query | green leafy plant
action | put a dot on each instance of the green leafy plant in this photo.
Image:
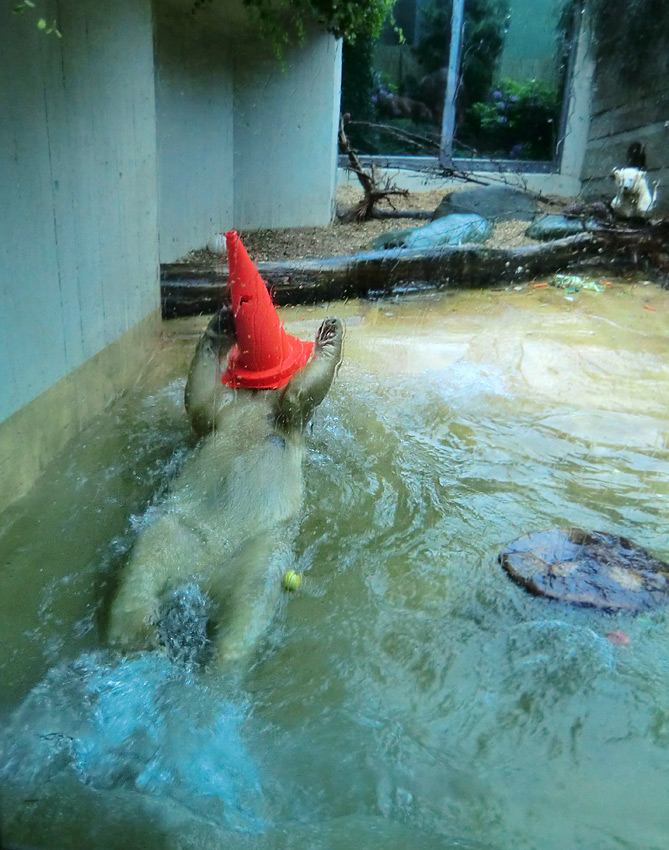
(41, 23)
(285, 21)
(518, 120)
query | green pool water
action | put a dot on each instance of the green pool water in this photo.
(409, 695)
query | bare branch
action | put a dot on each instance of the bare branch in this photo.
(374, 193)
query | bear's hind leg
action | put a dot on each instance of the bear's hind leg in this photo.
(246, 596)
(166, 556)
(134, 613)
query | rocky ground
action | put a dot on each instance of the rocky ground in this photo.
(338, 239)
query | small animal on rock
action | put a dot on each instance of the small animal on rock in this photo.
(204, 579)
(633, 198)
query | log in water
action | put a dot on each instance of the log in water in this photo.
(189, 290)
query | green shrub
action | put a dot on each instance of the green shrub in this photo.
(518, 120)
(285, 21)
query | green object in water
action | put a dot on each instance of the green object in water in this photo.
(573, 283)
(291, 580)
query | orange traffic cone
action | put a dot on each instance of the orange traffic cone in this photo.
(265, 356)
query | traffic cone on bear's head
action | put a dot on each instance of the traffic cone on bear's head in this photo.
(265, 356)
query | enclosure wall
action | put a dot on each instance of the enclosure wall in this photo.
(629, 107)
(194, 105)
(246, 142)
(285, 134)
(78, 204)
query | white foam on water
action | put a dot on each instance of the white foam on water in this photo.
(136, 723)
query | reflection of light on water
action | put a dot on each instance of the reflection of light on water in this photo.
(611, 428)
(414, 356)
(465, 378)
(139, 724)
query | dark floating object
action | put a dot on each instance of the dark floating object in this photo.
(588, 568)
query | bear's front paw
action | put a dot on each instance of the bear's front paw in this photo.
(329, 333)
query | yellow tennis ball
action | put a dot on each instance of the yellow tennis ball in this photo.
(292, 580)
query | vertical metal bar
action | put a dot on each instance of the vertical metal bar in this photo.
(448, 119)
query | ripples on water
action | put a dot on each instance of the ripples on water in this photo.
(409, 695)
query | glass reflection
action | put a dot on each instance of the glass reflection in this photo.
(513, 70)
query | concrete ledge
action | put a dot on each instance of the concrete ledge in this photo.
(34, 435)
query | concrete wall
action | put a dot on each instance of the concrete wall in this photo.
(285, 135)
(78, 201)
(194, 105)
(627, 109)
(78, 204)
(242, 141)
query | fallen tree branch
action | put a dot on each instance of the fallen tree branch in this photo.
(423, 215)
(404, 135)
(188, 290)
(374, 193)
(420, 214)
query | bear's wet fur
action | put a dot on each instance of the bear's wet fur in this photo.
(203, 580)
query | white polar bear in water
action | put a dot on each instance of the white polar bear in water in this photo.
(219, 548)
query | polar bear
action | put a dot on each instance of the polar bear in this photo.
(633, 198)
(205, 577)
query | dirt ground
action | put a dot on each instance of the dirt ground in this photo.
(338, 239)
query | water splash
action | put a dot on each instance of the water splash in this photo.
(141, 724)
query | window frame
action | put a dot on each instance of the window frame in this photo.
(445, 162)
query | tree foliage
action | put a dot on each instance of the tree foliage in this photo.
(41, 23)
(285, 21)
(358, 84)
(485, 26)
